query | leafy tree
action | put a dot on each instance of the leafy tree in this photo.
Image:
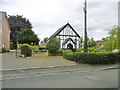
(45, 39)
(27, 36)
(91, 42)
(111, 42)
(119, 39)
(17, 23)
(53, 45)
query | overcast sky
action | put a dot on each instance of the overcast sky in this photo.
(47, 16)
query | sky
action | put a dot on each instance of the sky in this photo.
(47, 16)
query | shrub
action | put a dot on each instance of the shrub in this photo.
(4, 50)
(92, 58)
(35, 48)
(26, 50)
(53, 45)
(60, 50)
(67, 53)
(93, 49)
(80, 50)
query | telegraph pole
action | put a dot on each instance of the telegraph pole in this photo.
(85, 27)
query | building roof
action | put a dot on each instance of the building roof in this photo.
(62, 28)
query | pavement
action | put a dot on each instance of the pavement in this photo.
(42, 61)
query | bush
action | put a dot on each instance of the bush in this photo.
(26, 50)
(4, 50)
(93, 49)
(80, 50)
(92, 58)
(35, 48)
(53, 45)
(67, 53)
(60, 51)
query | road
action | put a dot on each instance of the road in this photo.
(93, 78)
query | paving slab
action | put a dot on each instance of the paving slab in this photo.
(10, 62)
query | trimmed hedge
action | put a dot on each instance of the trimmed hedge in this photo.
(26, 50)
(67, 54)
(92, 58)
(80, 50)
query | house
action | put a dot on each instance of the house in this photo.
(4, 31)
(69, 38)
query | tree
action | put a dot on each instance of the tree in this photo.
(111, 42)
(27, 36)
(45, 40)
(53, 45)
(17, 23)
(91, 42)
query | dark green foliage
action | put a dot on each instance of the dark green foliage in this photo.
(17, 23)
(58, 53)
(4, 50)
(80, 50)
(11, 46)
(26, 50)
(67, 53)
(53, 45)
(92, 58)
(45, 40)
(28, 36)
(91, 42)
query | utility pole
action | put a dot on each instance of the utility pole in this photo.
(85, 27)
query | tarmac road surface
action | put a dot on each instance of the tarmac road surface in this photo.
(66, 79)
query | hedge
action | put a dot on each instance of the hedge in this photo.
(67, 53)
(92, 58)
(26, 50)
